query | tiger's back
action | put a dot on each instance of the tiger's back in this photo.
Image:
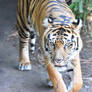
(35, 11)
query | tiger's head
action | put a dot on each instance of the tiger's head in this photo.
(62, 42)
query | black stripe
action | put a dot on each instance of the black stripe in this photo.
(24, 35)
(32, 2)
(22, 8)
(42, 8)
(59, 1)
(69, 70)
(32, 11)
(76, 23)
(23, 23)
(27, 8)
(65, 35)
(52, 5)
(54, 8)
(69, 2)
(32, 45)
(34, 6)
(22, 42)
(77, 43)
(21, 35)
(32, 36)
(68, 31)
(47, 4)
(72, 37)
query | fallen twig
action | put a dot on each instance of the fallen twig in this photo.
(88, 78)
(14, 34)
(86, 60)
(89, 41)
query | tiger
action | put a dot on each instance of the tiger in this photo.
(60, 40)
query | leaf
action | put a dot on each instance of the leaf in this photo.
(76, 6)
(72, 6)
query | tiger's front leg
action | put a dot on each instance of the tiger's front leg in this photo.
(77, 81)
(24, 62)
(55, 77)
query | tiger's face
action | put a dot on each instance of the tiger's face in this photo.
(62, 44)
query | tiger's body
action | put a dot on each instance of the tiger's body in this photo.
(59, 35)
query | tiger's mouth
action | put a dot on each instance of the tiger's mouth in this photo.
(60, 65)
(63, 68)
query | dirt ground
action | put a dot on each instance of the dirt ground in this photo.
(12, 80)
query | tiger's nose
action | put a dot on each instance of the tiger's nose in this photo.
(58, 60)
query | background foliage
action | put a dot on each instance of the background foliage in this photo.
(81, 8)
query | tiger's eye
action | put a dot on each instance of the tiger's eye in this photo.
(50, 19)
(70, 45)
(68, 31)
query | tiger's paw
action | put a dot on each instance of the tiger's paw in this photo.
(49, 83)
(25, 66)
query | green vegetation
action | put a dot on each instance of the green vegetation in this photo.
(81, 8)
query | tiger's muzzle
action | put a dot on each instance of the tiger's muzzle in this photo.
(59, 62)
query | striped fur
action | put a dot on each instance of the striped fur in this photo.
(59, 35)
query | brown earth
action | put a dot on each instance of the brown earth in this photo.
(12, 80)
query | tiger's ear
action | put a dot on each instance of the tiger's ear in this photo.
(77, 24)
(48, 21)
